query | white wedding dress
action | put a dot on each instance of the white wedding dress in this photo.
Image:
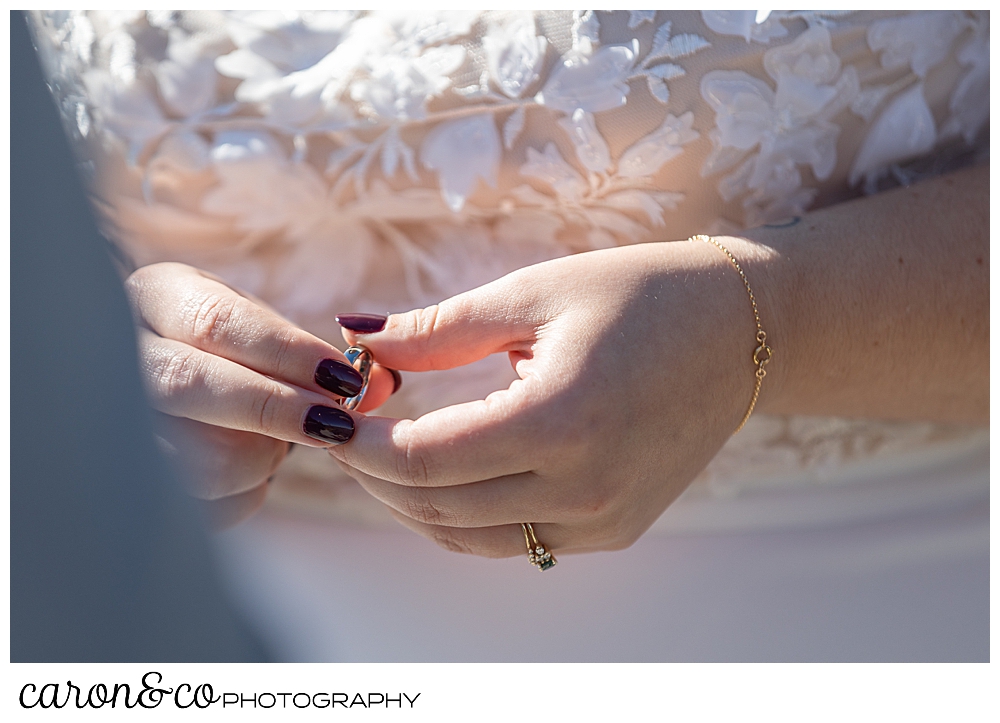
(342, 161)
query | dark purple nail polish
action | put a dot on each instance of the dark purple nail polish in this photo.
(397, 380)
(362, 323)
(328, 424)
(338, 377)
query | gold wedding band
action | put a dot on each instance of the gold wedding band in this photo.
(538, 555)
(362, 360)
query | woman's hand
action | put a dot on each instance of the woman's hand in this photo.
(635, 364)
(635, 367)
(238, 384)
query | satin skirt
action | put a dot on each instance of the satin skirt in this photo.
(909, 583)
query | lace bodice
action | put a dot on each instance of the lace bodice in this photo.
(336, 160)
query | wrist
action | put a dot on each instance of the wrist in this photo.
(771, 279)
(709, 311)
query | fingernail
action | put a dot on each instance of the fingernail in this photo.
(362, 323)
(328, 424)
(397, 380)
(338, 377)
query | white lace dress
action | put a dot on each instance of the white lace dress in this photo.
(343, 161)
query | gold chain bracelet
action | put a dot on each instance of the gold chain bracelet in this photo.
(762, 354)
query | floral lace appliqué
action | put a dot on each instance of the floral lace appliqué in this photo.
(905, 128)
(766, 133)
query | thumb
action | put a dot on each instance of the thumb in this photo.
(458, 331)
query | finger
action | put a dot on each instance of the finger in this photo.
(463, 329)
(179, 302)
(218, 462)
(186, 382)
(496, 542)
(382, 384)
(230, 511)
(464, 443)
(498, 501)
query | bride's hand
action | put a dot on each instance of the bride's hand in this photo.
(237, 384)
(635, 367)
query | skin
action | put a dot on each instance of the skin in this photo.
(233, 381)
(634, 365)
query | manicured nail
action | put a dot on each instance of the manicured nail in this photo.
(328, 424)
(362, 323)
(338, 377)
(397, 380)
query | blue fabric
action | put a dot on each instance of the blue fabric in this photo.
(109, 561)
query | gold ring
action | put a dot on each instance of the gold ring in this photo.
(538, 554)
(362, 360)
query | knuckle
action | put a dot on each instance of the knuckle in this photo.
(210, 317)
(174, 375)
(424, 324)
(265, 409)
(285, 339)
(419, 506)
(591, 502)
(411, 464)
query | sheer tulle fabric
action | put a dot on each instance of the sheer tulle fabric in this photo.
(333, 161)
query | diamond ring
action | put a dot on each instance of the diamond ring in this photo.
(538, 554)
